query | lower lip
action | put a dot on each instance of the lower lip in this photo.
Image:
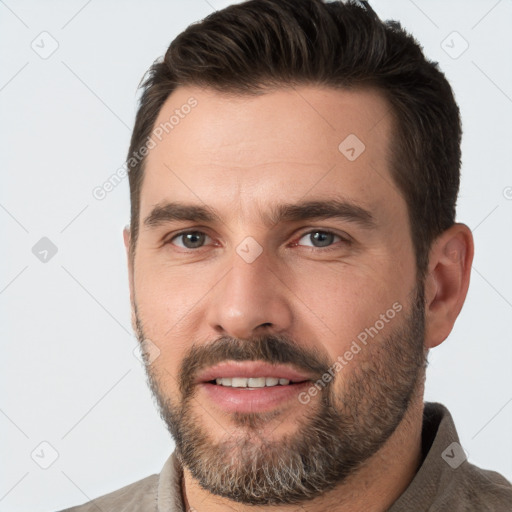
(253, 399)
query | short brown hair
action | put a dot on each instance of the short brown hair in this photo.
(258, 45)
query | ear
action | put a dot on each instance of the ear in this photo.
(447, 282)
(127, 239)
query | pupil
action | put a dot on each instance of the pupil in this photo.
(322, 239)
(193, 240)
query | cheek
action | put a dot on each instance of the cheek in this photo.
(165, 303)
(166, 296)
(344, 303)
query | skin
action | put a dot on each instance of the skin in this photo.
(241, 156)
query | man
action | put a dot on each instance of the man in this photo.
(293, 256)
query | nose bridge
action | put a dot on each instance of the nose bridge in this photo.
(250, 297)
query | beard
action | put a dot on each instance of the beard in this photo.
(342, 429)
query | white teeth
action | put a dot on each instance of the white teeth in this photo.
(251, 382)
(239, 382)
(256, 382)
(224, 381)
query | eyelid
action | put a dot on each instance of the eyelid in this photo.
(345, 238)
(169, 240)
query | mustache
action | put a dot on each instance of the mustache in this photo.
(273, 349)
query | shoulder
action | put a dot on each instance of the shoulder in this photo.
(479, 489)
(446, 480)
(465, 486)
(140, 495)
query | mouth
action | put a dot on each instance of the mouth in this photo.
(254, 382)
(252, 386)
(253, 374)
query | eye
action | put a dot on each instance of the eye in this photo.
(319, 238)
(189, 239)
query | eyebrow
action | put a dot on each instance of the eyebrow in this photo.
(289, 212)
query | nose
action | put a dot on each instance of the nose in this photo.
(251, 299)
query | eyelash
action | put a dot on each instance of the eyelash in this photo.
(344, 240)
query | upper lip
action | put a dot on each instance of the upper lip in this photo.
(251, 369)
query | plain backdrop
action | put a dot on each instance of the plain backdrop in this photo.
(69, 72)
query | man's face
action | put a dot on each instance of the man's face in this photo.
(274, 276)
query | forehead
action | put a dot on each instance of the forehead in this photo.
(281, 145)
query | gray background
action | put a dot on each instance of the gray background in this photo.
(68, 372)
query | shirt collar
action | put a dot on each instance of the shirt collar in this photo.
(442, 455)
(169, 497)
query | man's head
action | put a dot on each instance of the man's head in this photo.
(294, 209)
(256, 46)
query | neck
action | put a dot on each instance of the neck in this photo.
(375, 486)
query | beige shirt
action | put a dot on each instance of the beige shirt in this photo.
(445, 481)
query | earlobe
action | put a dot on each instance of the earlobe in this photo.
(127, 242)
(126, 238)
(447, 282)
